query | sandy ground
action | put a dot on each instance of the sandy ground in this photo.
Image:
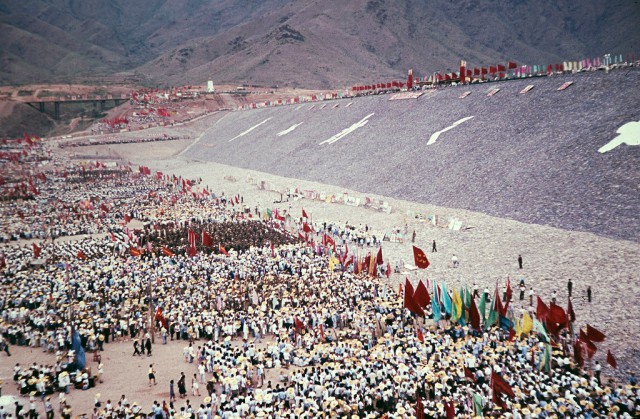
(488, 254)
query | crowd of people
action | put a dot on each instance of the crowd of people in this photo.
(273, 326)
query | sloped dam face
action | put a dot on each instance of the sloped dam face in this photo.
(565, 158)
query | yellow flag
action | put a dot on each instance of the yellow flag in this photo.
(518, 328)
(457, 301)
(527, 323)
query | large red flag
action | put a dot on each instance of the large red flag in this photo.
(474, 315)
(577, 353)
(590, 347)
(409, 303)
(379, 260)
(499, 385)
(594, 334)
(611, 360)
(207, 241)
(36, 250)
(421, 296)
(542, 311)
(419, 258)
(557, 314)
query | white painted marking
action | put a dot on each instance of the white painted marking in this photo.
(349, 104)
(629, 135)
(312, 106)
(323, 106)
(361, 123)
(288, 130)
(242, 134)
(299, 107)
(435, 135)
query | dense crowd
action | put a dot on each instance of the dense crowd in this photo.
(340, 343)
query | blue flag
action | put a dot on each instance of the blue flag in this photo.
(446, 299)
(435, 304)
(77, 347)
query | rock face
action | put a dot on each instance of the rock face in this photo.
(530, 157)
(302, 43)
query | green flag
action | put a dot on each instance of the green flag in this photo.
(492, 318)
(477, 405)
(539, 328)
(482, 307)
(545, 364)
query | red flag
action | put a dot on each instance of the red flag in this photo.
(104, 207)
(469, 374)
(166, 251)
(191, 251)
(237, 200)
(420, 259)
(577, 353)
(304, 214)
(222, 250)
(36, 251)
(161, 318)
(557, 314)
(321, 328)
(450, 409)
(206, 239)
(590, 347)
(474, 315)
(306, 228)
(409, 303)
(421, 295)
(420, 336)
(349, 261)
(135, 252)
(278, 216)
(542, 311)
(191, 238)
(419, 409)
(113, 237)
(594, 334)
(273, 251)
(499, 385)
(299, 324)
(379, 260)
(81, 255)
(611, 360)
(127, 218)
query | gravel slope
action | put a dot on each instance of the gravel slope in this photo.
(532, 158)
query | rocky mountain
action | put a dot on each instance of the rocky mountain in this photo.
(307, 43)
